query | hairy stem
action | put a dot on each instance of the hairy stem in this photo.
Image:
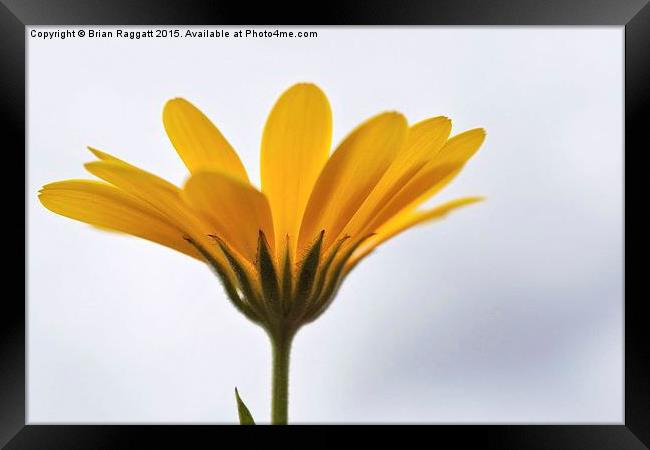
(281, 342)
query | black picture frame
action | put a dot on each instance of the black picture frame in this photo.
(15, 15)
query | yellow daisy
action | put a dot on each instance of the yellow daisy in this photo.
(281, 251)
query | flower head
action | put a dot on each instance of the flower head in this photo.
(282, 251)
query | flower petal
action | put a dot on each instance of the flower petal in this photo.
(460, 148)
(198, 142)
(457, 151)
(350, 175)
(437, 173)
(295, 146)
(406, 220)
(105, 156)
(410, 192)
(236, 209)
(107, 207)
(160, 195)
(423, 142)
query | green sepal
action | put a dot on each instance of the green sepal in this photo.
(228, 285)
(245, 417)
(319, 305)
(287, 276)
(323, 272)
(307, 274)
(242, 274)
(268, 274)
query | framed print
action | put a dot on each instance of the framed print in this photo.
(384, 215)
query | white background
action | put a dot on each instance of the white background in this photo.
(507, 311)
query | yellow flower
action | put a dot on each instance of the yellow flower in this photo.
(282, 251)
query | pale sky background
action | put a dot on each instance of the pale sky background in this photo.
(510, 311)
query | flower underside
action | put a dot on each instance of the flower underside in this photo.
(281, 297)
(282, 251)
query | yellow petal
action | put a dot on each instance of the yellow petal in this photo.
(409, 192)
(198, 142)
(350, 175)
(105, 156)
(236, 209)
(423, 142)
(457, 151)
(437, 173)
(105, 206)
(295, 146)
(461, 147)
(160, 195)
(406, 220)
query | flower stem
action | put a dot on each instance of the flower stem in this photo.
(281, 343)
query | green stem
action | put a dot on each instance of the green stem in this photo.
(281, 343)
